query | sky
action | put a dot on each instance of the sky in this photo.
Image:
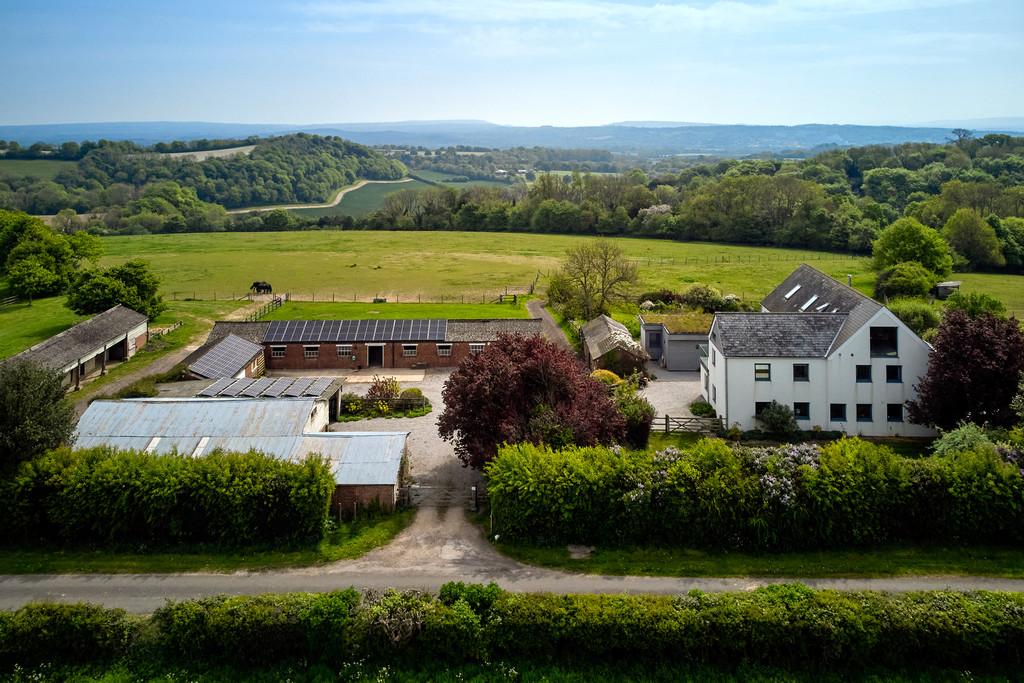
(515, 62)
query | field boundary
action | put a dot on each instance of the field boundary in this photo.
(341, 192)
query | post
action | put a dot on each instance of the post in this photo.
(666, 424)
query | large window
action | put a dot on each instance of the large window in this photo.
(344, 349)
(759, 407)
(408, 350)
(444, 350)
(802, 411)
(894, 374)
(864, 412)
(863, 373)
(801, 372)
(837, 412)
(894, 412)
(278, 351)
(763, 372)
(476, 348)
(311, 351)
(883, 342)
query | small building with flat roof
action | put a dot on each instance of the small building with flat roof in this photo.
(673, 340)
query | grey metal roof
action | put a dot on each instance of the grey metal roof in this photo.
(331, 331)
(274, 427)
(808, 290)
(84, 339)
(272, 387)
(226, 358)
(777, 335)
(488, 330)
(602, 334)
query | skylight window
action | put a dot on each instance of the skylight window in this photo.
(792, 292)
(809, 302)
(822, 307)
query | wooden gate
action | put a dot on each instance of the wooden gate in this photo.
(701, 425)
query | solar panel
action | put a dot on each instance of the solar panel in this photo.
(226, 358)
(256, 388)
(298, 387)
(334, 331)
(278, 387)
(319, 386)
(235, 387)
(216, 387)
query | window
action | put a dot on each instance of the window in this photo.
(654, 340)
(713, 356)
(444, 350)
(801, 372)
(809, 302)
(894, 374)
(802, 411)
(762, 372)
(476, 348)
(894, 412)
(278, 351)
(759, 407)
(408, 350)
(883, 342)
(344, 349)
(792, 292)
(863, 373)
(864, 412)
(714, 393)
(837, 412)
(707, 376)
(311, 351)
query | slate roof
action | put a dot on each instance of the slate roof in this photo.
(603, 334)
(488, 330)
(808, 290)
(84, 339)
(226, 358)
(777, 335)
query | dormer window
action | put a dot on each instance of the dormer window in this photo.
(884, 342)
(792, 292)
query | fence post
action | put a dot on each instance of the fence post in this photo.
(666, 424)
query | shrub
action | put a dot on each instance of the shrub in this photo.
(351, 403)
(606, 377)
(638, 413)
(47, 632)
(778, 419)
(411, 393)
(702, 297)
(702, 408)
(908, 278)
(105, 497)
(383, 389)
(975, 304)
(846, 493)
(917, 314)
(966, 437)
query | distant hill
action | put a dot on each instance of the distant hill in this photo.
(645, 137)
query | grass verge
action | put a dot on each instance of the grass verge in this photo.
(862, 563)
(349, 541)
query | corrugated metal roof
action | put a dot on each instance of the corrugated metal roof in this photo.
(271, 426)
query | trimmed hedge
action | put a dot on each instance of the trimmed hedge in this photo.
(105, 497)
(782, 625)
(845, 493)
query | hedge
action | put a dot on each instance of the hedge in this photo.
(846, 493)
(782, 625)
(105, 497)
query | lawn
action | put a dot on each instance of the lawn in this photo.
(870, 562)
(364, 264)
(22, 325)
(295, 310)
(363, 201)
(348, 541)
(36, 168)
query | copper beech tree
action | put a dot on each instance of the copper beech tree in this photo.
(524, 389)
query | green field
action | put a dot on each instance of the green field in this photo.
(36, 168)
(295, 310)
(407, 265)
(363, 201)
(445, 179)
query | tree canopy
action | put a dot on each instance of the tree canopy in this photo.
(35, 414)
(908, 240)
(524, 389)
(131, 284)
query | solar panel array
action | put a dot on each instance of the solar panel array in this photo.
(333, 331)
(267, 387)
(227, 358)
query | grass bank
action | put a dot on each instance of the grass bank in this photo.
(22, 326)
(347, 542)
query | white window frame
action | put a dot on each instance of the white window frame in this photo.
(444, 350)
(278, 351)
(477, 348)
(310, 352)
(345, 350)
(408, 350)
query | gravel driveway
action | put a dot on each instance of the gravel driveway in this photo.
(672, 392)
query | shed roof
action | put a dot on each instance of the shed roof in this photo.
(690, 322)
(84, 339)
(488, 330)
(603, 334)
(777, 335)
(226, 358)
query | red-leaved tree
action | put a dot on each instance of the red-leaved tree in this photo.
(524, 389)
(972, 373)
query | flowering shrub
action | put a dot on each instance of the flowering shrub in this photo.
(844, 493)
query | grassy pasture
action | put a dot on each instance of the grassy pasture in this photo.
(22, 325)
(363, 201)
(445, 179)
(404, 265)
(295, 310)
(36, 168)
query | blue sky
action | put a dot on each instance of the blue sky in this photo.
(524, 62)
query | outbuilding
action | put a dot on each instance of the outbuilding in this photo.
(673, 340)
(608, 344)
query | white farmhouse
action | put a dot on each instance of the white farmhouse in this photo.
(839, 359)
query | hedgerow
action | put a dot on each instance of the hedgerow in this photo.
(105, 497)
(845, 493)
(782, 625)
